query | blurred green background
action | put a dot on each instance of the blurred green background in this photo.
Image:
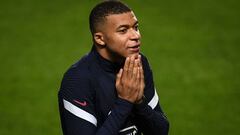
(192, 46)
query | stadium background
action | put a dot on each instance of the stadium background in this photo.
(192, 45)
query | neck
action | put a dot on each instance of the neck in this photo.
(109, 55)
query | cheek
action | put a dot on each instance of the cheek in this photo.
(121, 41)
(117, 43)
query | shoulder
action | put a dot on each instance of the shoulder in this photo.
(146, 65)
(80, 69)
(78, 77)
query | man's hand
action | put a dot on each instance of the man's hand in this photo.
(130, 80)
(142, 83)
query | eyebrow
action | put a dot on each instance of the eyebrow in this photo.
(124, 25)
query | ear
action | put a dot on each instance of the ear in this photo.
(98, 38)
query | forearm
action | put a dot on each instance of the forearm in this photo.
(116, 118)
(76, 121)
(153, 121)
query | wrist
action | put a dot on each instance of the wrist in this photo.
(141, 100)
(125, 100)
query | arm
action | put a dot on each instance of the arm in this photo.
(151, 119)
(77, 108)
(150, 116)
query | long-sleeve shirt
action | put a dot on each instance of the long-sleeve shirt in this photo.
(89, 104)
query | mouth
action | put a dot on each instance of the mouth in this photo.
(135, 48)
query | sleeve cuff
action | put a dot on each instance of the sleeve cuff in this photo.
(124, 104)
(142, 106)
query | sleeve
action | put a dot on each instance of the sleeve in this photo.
(77, 108)
(149, 114)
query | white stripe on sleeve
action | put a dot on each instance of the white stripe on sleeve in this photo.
(79, 112)
(154, 101)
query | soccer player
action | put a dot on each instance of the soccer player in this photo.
(110, 91)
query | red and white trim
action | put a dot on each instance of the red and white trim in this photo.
(79, 112)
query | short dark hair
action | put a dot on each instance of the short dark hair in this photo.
(103, 9)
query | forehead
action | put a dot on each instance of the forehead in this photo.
(116, 20)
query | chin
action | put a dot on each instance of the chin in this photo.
(133, 54)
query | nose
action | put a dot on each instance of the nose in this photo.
(135, 35)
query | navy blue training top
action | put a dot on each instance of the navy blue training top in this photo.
(89, 104)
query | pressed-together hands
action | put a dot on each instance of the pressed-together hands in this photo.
(130, 80)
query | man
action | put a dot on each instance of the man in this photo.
(110, 91)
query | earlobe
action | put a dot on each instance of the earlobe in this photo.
(98, 38)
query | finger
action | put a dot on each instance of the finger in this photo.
(140, 60)
(131, 66)
(125, 68)
(138, 76)
(141, 68)
(118, 78)
(142, 83)
(135, 71)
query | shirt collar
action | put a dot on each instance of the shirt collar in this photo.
(106, 64)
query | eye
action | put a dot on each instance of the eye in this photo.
(122, 31)
(136, 27)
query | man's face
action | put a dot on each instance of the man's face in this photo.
(121, 35)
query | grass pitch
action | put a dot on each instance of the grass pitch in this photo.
(192, 46)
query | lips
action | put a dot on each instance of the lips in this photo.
(135, 48)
